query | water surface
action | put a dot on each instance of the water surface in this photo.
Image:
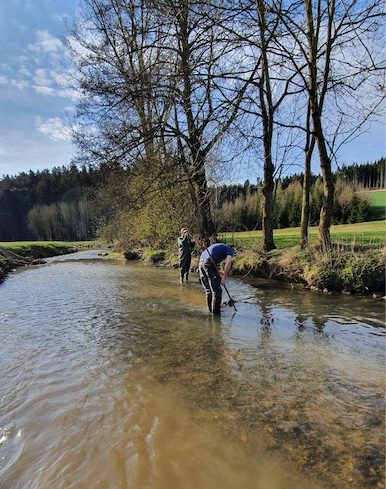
(114, 376)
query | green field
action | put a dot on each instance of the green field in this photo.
(45, 248)
(363, 233)
(27, 244)
(377, 201)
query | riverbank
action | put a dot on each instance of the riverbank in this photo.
(346, 269)
(22, 253)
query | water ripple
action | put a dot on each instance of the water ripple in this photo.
(115, 376)
(11, 447)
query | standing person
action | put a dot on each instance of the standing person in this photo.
(185, 246)
(211, 277)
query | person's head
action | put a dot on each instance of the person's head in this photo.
(184, 231)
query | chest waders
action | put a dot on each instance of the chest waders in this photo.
(185, 255)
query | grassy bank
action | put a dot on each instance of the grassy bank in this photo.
(43, 249)
(364, 233)
(356, 263)
(4, 267)
(34, 250)
(344, 269)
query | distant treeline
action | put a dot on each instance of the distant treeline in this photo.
(244, 213)
(359, 176)
(72, 203)
(49, 204)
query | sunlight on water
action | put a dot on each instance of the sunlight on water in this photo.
(114, 376)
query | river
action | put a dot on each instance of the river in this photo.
(114, 376)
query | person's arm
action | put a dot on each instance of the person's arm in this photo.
(227, 267)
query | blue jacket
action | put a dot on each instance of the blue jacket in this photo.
(218, 252)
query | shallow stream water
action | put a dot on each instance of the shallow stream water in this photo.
(113, 375)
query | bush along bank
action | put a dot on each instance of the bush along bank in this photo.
(344, 269)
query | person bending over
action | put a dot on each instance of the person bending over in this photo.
(211, 278)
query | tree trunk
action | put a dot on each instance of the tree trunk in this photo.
(265, 96)
(328, 182)
(308, 150)
(315, 106)
(267, 190)
(305, 219)
(194, 140)
(204, 216)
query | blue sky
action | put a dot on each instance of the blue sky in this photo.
(36, 103)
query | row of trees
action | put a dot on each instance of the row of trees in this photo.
(364, 176)
(64, 221)
(48, 186)
(35, 205)
(170, 88)
(244, 213)
(71, 203)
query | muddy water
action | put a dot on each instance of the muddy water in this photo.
(113, 376)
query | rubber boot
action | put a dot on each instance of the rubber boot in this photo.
(217, 309)
(209, 302)
(217, 304)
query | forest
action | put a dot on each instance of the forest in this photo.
(174, 96)
(78, 203)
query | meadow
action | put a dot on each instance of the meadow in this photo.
(364, 233)
(377, 201)
(41, 249)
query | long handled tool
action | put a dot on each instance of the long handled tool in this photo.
(231, 301)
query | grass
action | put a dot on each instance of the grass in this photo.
(363, 233)
(377, 201)
(42, 249)
(13, 245)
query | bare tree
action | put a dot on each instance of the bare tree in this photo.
(163, 82)
(259, 27)
(154, 79)
(338, 43)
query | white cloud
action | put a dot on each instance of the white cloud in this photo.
(62, 18)
(61, 78)
(42, 77)
(53, 83)
(23, 147)
(43, 82)
(23, 60)
(44, 90)
(23, 71)
(19, 84)
(46, 43)
(5, 67)
(12, 82)
(55, 128)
